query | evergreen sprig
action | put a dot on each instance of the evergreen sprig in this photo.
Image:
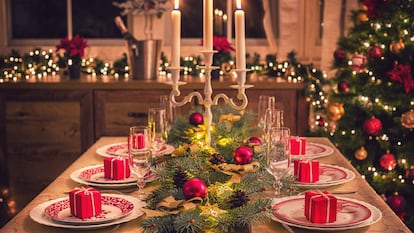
(235, 203)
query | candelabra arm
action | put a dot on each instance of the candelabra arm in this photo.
(188, 98)
(227, 100)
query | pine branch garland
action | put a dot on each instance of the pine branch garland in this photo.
(228, 204)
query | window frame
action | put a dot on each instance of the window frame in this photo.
(97, 42)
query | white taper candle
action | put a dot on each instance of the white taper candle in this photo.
(208, 25)
(240, 37)
(175, 35)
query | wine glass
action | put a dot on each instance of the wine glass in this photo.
(140, 155)
(278, 155)
(157, 125)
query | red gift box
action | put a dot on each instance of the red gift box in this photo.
(116, 168)
(85, 202)
(137, 141)
(320, 207)
(306, 170)
(297, 146)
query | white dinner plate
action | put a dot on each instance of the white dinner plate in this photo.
(329, 175)
(315, 150)
(96, 174)
(351, 214)
(113, 207)
(37, 215)
(121, 149)
(75, 176)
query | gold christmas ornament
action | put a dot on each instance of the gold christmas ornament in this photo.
(362, 17)
(407, 119)
(335, 111)
(361, 153)
(227, 68)
(397, 46)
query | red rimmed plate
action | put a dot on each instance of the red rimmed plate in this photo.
(121, 149)
(329, 175)
(37, 215)
(315, 150)
(349, 213)
(113, 208)
(96, 174)
(75, 176)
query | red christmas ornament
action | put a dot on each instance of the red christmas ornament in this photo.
(196, 118)
(339, 55)
(194, 187)
(343, 86)
(321, 121)
(409, 174)
(372, 126)
(243, 155)
(388, 161)
(396, 202)
(255, 140)
(358, 62)
(374, 52)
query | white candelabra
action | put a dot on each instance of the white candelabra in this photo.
(208, 101)
(208, 53)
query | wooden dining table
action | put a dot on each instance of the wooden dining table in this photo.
(360, 190)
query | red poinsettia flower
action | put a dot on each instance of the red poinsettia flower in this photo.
(402, 74)
(73, 48)
(374, 7)
(221, 44)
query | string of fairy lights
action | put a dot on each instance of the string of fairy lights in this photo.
(38, 64)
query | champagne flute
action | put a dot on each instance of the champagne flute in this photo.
(278, 155)
(166, 104)
(157, 125)
(140, 156)
(273, 118)
(265, 103)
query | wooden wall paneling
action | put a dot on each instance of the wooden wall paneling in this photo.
(45, 131)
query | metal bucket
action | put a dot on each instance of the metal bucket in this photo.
(144, 58)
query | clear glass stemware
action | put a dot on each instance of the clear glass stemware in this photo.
(140, 155)
(278, 159)
(157, 125)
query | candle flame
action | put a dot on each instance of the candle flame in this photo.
(238, 4)
(176, 4)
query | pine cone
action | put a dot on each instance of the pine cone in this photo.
(217, 159)
(237, 199)
(180, 177)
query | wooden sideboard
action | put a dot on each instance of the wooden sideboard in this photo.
(45, 124)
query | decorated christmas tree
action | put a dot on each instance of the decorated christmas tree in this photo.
(369, 109)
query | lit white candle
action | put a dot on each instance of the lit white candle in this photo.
(175, 35)
(240, 37)
(208, 25)
(69, 17)
(229, 20)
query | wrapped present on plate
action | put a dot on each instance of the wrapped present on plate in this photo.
(137, 141)
(116, 168)
(297, 145)
(306, 170)
(320, 207)
(85, 202)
